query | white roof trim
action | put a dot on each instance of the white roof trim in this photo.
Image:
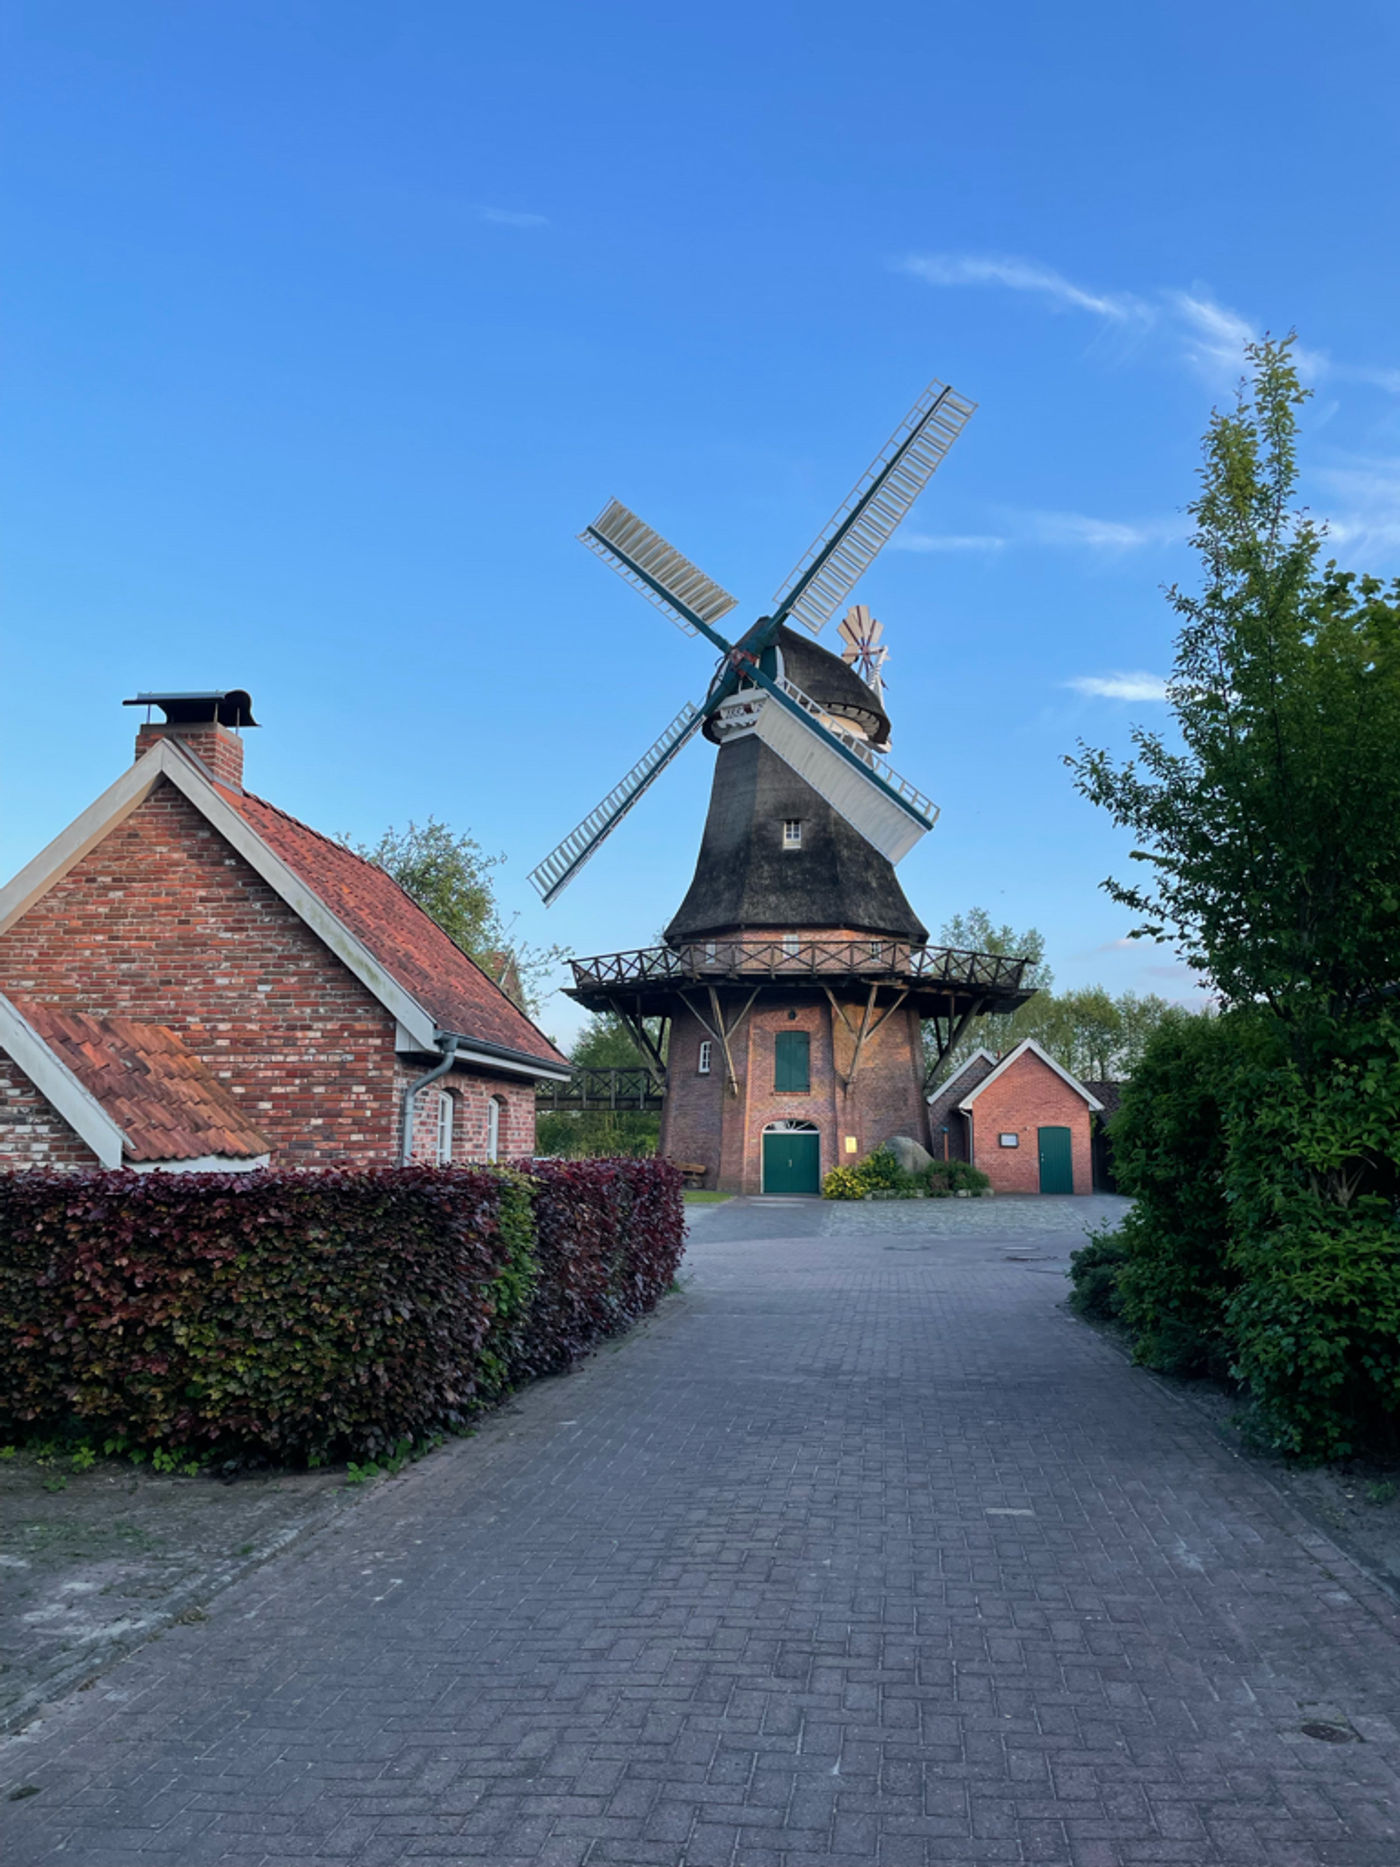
(202, 1163)
(168, 759)
(941, 1089)
(165, 760)
(59, 1087)
(1026, 1045)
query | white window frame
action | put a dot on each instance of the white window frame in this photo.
(792, 833)
(445, 1117)
(493, 1129)
(702, 1063)
(792, 946)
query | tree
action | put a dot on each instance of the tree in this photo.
(974, 932)
(1268, 831)
(605, 1043)
(448, 875)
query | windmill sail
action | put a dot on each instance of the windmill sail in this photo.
(665, 577)
(561, 866)
(879, 500)
(886, 809)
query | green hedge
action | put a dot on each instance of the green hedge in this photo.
(308, 1316)
(1263, 1245)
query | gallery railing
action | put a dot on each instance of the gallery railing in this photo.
(789, 957)
(616, 1090)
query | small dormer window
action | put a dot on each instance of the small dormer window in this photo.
(702, 1066)
(792, 833)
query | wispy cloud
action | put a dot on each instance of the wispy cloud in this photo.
(1019, 275)
(1138, 686)
(1066, 530)
(1366, 512)
(948, 541)
(1078, 528)
(507, 217)
(1211, 336)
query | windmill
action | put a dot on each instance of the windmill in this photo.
(745, 698)
(864, 650)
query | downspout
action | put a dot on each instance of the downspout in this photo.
(410, 1095)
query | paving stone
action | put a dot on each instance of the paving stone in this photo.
(862, 1552)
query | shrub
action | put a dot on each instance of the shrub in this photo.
(295, 1315)
(1093, 1271)
(1169, 1156)
(881, 1172)
(844, 1183)
(946, 1177)
(1315, 1330)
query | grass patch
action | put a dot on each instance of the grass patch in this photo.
(694, 1197)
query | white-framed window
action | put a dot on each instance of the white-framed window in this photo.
(792, 945)
(792, 833)
(877, 949)
(444, 1128)
(493, 1128)
(702, 1067)
(711, 952)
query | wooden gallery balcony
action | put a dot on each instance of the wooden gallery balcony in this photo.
(943, 981)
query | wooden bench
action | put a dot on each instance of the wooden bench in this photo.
(692, 1171)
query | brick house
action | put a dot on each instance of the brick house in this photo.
(1025, 1121)
(189, 977)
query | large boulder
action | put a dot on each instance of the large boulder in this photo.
(911, 1157)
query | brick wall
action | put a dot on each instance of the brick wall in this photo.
(163, 921)
(472, 1093)
(32, 1132)
(703, 1122)
(943, 1111)
(1028, 1097)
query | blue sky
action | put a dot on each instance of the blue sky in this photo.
(329, 325)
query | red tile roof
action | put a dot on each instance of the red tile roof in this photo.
(408, 943)
(162, 1097)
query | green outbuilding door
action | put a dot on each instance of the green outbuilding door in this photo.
(1056, 1160)
(792, 1161)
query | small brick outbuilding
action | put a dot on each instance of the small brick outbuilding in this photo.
(1023, 1119)
(190, 978)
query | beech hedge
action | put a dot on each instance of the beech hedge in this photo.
(306, 1316)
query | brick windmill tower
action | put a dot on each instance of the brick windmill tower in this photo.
(787, 1008)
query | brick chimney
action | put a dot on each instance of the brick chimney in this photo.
(206, 725)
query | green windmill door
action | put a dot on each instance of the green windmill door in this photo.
(792, 1161)
(1056, 1160)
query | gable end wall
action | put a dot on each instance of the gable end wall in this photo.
(163, 921)
(1029, 1096)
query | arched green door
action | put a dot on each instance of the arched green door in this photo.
(1056, 1160)
(792, 1161)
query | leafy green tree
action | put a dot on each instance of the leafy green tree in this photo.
(975, 932)
(1268, 1171)
(1092, 1034)
(605, 1043)
(1267, 824)
(450, 877)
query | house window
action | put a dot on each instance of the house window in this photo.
(710, 952)
(792, 946)
(877, 950)
(792, 1063)
(792, 833)
(493, 1128)
(444, 1133)
(702, 1068)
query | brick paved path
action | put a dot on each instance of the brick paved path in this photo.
(863, 1551)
